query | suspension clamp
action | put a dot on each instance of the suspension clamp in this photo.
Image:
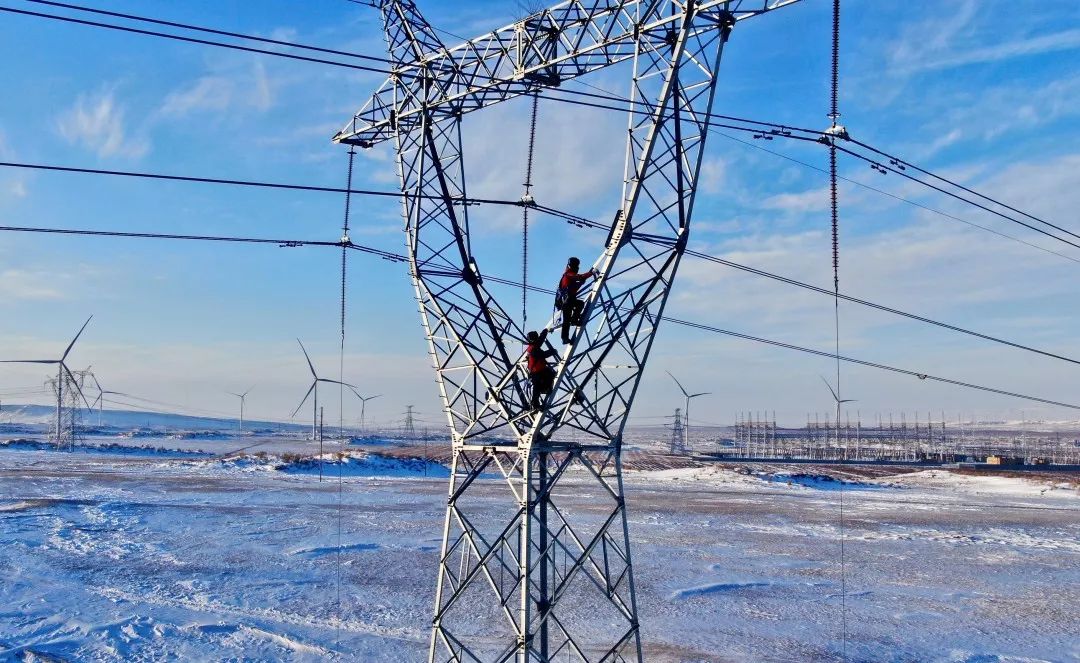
(837, 131)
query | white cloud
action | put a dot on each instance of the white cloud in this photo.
(958, 34)
(713, 177)
(12, 182)
(20, 284)
(96, 122)
(813, 200)
(235, 90)
(1057, 41)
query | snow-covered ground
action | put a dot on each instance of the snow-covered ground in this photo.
(120, 557)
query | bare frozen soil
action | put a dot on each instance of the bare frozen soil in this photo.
(118, 558)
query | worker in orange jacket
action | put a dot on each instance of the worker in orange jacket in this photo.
(566, 297)
(541, 375)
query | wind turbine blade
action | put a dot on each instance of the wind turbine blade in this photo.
(704, 393)
(77, 387)
(357, 393)
(371, 398)
(831, 390)
(310, 389)
(97, 385)
(345, 384)
(30, 361)
(72, 344)
(310, 365)
(248, 391)
(678, 383)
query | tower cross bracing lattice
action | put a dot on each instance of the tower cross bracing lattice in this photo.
(532, 578)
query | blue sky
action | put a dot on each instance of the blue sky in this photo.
(941, 84)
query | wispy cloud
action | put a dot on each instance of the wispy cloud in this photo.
(12, 183)
(97, 122)
(248, 89)
(20, 284)
(1048, 43)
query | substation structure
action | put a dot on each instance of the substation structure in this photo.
(537, 581)
(899, 440)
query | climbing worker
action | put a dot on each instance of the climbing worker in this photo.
(541, 374)
(566, 299)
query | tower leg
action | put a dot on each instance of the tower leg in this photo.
(549, 580)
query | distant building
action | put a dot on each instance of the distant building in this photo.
(1004, 460)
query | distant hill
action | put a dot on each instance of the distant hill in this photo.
(20, 416)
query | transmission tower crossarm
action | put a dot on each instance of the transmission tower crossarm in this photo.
(560, 43)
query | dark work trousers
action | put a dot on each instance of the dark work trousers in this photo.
(571, 315)
(542, 383)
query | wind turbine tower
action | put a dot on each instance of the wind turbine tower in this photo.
(243, 397)
(363, 409)
(314, 390)
(64, 385)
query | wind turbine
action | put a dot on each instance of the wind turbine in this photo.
(363, 406)
(686, 426)
(99, 400)
(242, 397)
(315, 388)
(838, 401)
(61, 369)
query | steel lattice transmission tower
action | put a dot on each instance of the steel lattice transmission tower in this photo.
(67, 394)
(678, 434)
(410, 422)
(537, 580)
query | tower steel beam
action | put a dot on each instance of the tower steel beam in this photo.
(523, 576)
(562, 42)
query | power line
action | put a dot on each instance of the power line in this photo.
(566, 216)
(897, 197)
(249, 183)
(224, 33)
(205, 238)
(776, 129)
(781, 131)
(394, 257)
(882, 168)
(873, 305)
(897, 161)
(193, 40)
(870, 364)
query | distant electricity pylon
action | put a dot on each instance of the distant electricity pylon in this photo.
(66, 388)
(678, 433)
(541, 580)
(689, 397)
(410, 423)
